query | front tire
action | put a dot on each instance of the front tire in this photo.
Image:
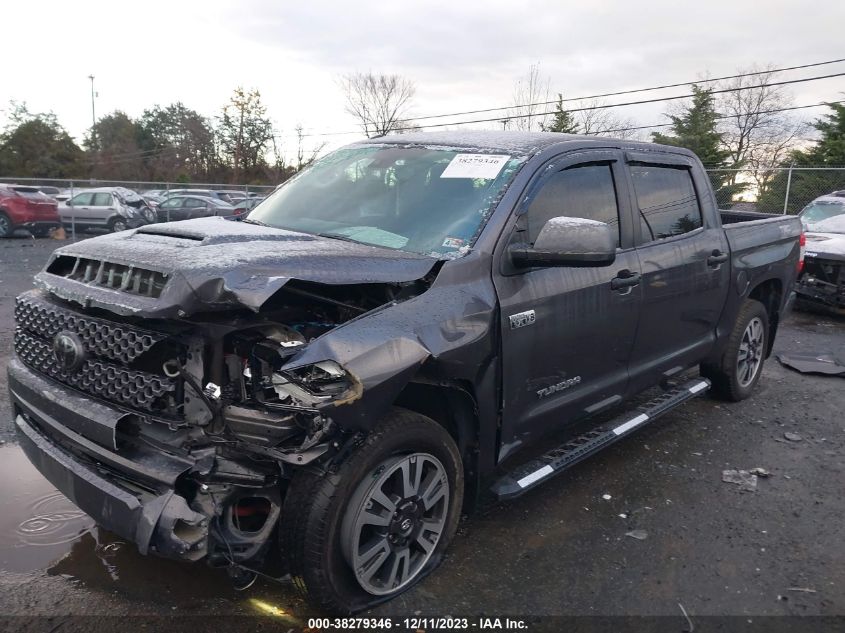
(738, 372)
(369, 529)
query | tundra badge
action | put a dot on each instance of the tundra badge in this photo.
(521, 319)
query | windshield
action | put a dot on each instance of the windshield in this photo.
(429, 201)
(821, 210)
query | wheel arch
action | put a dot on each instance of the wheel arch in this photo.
(453, 406)
(770, 293)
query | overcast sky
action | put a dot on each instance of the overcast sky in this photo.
(462, 54)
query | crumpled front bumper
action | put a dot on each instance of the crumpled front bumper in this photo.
(132, 495)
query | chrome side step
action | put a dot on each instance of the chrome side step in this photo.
(526, 476)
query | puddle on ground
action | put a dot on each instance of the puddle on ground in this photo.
(41, 530)
(38, 524)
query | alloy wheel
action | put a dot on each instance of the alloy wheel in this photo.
(394, 522)
(751, 351)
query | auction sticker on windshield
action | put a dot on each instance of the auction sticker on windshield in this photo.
(485, 166)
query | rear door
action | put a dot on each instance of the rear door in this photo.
(103, 208)
(197, 208)
(567, 332)
(683, 256)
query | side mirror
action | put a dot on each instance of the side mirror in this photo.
(568, 242)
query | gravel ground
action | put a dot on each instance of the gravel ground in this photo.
(561, 549)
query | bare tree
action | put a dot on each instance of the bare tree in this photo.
(597, 120)
(305, 157)
(764, 157)
(756, 135)
(379, 102)
(531, 101)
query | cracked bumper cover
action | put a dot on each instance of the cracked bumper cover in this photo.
(156, 519)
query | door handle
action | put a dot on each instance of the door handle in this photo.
(717, 257)
(625, 279)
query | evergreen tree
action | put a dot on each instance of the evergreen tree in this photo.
(562, 120)
(36, 146)
(696, 130)
(829, 151)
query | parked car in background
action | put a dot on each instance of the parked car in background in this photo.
(24, 207)
(159, 194)
(206, 193)
(111, 208)
(234, 195)
(188, 207)
(822, 280)
(246, 205)
(822, 208)
(48, 190)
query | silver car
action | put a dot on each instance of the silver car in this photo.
(111, 208)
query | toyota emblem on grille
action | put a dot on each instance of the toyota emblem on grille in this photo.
(68, 351)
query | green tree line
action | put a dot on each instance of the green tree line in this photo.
(166, 143)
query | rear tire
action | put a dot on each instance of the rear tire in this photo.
(117, 224)
(6, 228)
(736, 375)
(327, 518)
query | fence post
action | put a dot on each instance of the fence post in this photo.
(788, 184)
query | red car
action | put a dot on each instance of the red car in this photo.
(23, 207)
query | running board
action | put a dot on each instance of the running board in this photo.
(533, 473)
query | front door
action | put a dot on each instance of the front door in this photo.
(567, 332)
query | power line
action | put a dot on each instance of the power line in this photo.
(632, 91)
(719, 117)
(599, 107)
(607, 94)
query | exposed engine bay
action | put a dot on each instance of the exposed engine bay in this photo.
(204, 404)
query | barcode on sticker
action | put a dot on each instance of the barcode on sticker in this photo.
(486, 166)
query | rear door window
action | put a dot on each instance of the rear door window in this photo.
(102, 199)
(667, 202)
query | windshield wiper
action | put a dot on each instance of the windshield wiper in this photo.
(258, 222)
(338, 236)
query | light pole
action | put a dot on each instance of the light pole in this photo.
(93, 116)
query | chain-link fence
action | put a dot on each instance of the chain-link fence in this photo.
(69, 187)
(776, 190)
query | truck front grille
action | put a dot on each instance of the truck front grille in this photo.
(109, 340)
(110, 351)
(135, 389)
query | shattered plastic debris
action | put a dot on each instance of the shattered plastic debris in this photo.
(744, 479)
(760, 472)
(606, 497)
(792, 437)
(640, 535)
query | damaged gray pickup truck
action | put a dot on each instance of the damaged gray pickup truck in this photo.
(335, 377)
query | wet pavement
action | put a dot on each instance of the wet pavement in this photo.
(572, 546)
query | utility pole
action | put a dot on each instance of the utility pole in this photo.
(93, 115)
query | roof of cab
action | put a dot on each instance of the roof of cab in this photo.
(512, 142)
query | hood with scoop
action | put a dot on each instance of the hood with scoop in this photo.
(181, 268)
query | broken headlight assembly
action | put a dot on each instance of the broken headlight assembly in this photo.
(326, 379)
(267, 382)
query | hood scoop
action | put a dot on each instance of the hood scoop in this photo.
(210, 231)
